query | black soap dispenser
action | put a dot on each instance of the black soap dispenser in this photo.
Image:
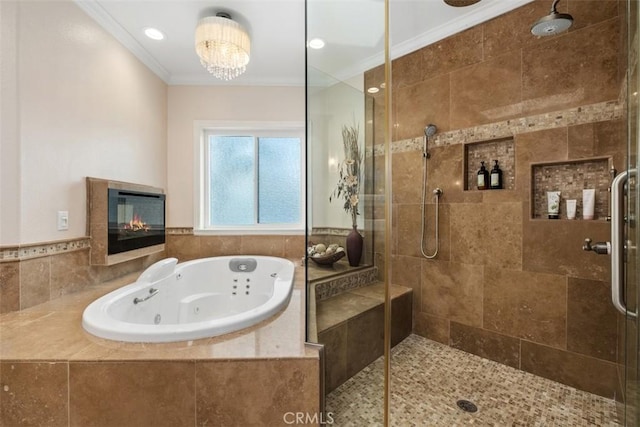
(483, 177)
(496, 177)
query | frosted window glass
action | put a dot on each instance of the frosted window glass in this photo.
(278, 180)
(232, 180)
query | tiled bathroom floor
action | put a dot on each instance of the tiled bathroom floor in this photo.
(428, 378)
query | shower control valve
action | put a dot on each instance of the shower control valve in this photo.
(600, 248)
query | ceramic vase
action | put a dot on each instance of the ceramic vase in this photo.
(354, 247)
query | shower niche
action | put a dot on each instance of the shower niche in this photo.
(501, 150)
(570, 177)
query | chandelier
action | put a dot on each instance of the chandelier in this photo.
(223, 46)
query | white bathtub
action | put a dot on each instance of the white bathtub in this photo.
(195, 299)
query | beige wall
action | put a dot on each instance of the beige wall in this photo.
(83, 105)
(9, 147)
(188, 104)
(505, 286)
(329, 110)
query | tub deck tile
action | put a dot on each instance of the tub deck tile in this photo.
(53, 331)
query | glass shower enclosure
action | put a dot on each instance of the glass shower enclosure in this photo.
(345, 186)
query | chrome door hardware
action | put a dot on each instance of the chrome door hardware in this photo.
(618, 241)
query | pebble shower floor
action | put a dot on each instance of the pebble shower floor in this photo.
(428, 378)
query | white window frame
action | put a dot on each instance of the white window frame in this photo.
(201, 167)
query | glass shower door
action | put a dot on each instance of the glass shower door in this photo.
(345, 187)
(629, 353)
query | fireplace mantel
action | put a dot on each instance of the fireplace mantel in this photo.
(98, 221)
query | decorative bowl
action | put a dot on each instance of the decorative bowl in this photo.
(327, 259)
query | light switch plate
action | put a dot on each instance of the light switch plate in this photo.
(63, 220)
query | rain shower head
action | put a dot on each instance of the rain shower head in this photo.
(430, 130)
(553, 23)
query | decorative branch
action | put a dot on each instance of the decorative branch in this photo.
(350, 172)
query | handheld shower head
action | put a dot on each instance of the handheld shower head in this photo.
(430, 130)
(553, 23)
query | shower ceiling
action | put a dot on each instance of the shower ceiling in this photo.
(277, 33)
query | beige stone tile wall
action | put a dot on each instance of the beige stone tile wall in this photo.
(186, 246)
(157, 393)
(505, 286)
(38, 273)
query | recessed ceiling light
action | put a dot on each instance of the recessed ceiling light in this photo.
(316, 43)
(153, 33)
(373, 90)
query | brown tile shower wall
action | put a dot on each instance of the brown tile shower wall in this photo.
(505, 286)
(37, 273)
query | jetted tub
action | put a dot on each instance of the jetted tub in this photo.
(195, 299)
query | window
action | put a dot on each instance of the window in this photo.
(251, 179)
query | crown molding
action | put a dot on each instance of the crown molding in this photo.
(106, 21)
(208, 80)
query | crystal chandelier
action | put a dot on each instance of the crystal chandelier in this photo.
(223, 46)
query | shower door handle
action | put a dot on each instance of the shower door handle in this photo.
(618, 241)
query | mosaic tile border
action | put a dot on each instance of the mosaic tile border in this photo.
(179, 231)
(346, 282)
(331, 231)
(37, 250)
(603, 111)
(188, 231)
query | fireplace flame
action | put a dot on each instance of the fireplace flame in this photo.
(136, 224)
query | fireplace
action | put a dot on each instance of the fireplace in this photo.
(136, 220)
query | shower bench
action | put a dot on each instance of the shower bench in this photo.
(351, 327)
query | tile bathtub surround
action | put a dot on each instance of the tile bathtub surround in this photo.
(152, 384)
(157, 393)
(37, 250)
(184, 245)
(502, 279)
(139, 393)
(34, 393)
(9, 286)
(36, 273)
(256, 394)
